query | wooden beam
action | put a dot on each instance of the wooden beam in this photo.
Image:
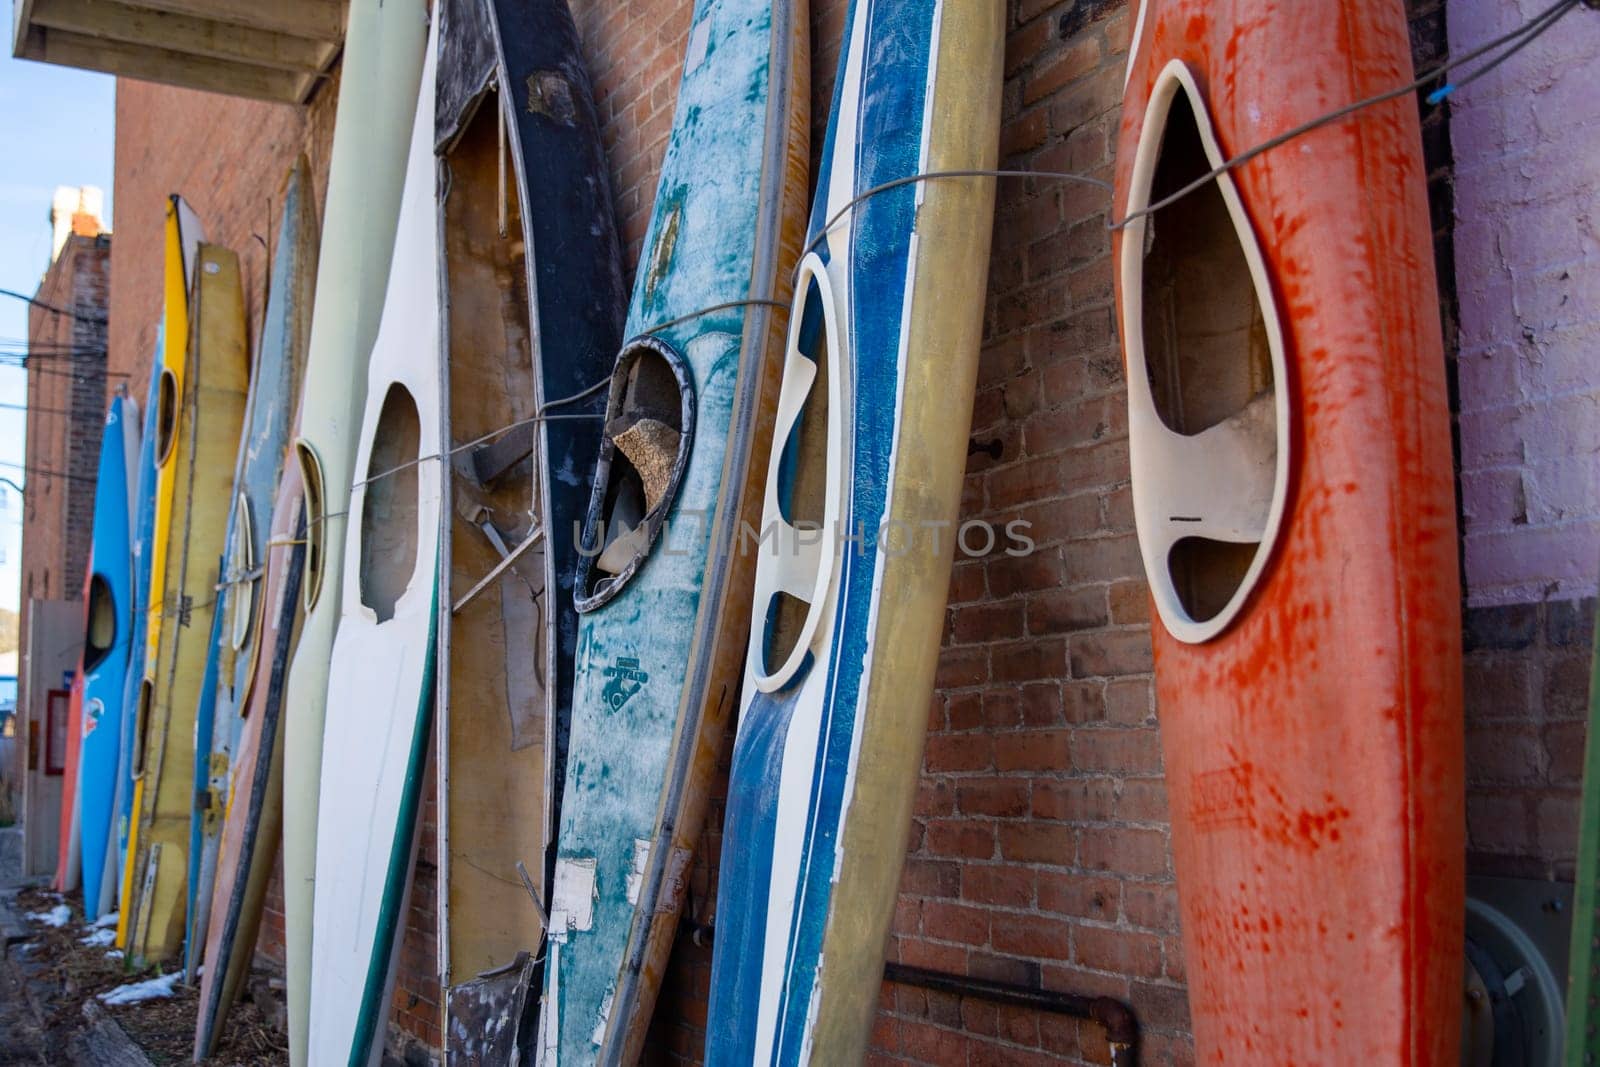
(321, 19)
(165, 66)
(113, 20)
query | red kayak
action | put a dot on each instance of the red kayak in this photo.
(69, 856)
(1292, 482)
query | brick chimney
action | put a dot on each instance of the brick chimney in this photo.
(75, 211)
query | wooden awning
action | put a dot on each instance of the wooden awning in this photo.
(267, 49)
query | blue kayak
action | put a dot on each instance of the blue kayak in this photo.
(107, 644)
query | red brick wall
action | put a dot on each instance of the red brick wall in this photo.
(228, 157)
(67, 405)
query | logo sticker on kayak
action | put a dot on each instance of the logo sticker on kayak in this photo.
(91, 715)
(624, 680)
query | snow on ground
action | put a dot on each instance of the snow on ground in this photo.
(108, 919)
(151, 989)
(99, 937)
(57, 916)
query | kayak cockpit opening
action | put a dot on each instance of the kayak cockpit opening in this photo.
(101, 632)
(1208, 407)
(241, 580)
(314, 505)
(797, 546)
(649, 430)
(388, 502)
(166, 414)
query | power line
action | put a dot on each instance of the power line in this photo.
(93, 320)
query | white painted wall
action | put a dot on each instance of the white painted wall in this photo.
(1526, 139)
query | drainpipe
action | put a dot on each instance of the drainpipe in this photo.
(1121, 1027)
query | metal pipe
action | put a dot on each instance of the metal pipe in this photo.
(1117, 1018)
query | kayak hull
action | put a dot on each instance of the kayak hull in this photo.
(182, 236)
(106, 655)
(1310, 709)
(662, 634)
(377, 101)
(381, 676)
(253, 826)
(274, 388)
(197, 474)
(877, 400)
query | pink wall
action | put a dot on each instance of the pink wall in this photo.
(1527, 163)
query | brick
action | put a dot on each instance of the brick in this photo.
(1505, 753)
(1053, 521)
(1010, 575)
(1067, 66)
(1512, 626)
(1066, 611)
(1037, 843)
(1131, 852)
(1003, 798)
(1036, 750)
(949, 921)
(1142, 800)
(962, 838)
(1110, 654)
(1498, 822)
(1074, 800)
(1565, 692)
(1570, 623)
(1556, 824)
(958, 753)
(1130, 702)
(1028, 660)
(1120, 751)
(1033, 936)
(1151, 907)
(1121, 951)
(1003, 886)
(1081, 895)
(1563, 752)
(1160, 1007)
(987, 622)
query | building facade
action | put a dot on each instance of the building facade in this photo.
(68, 382)
(1040, 849)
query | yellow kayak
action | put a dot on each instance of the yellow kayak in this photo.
(183, 236)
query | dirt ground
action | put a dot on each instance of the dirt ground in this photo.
(45, 981)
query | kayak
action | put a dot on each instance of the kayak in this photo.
(1289, 438)
(249, 622)
(194, 447)
(144, 517)
(105, 655)
(505, 656)
(182, 235)
(377, 101)
(873, 419)
(274, 390)
(253, 825)
(381, 678)
(69, 848)
(663, 587)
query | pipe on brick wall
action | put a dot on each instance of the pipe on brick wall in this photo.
(1121, 1026)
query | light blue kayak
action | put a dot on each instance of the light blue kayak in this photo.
(663, 590)
(870, 444)
(263, 446)
(107, 643)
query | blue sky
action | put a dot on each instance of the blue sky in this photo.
(55, 129)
